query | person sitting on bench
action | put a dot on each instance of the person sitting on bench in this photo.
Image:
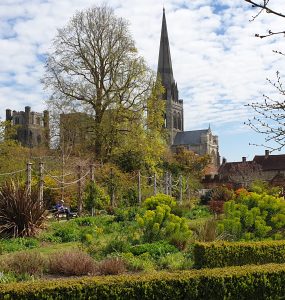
(62, 209)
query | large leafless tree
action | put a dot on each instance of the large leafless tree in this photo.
(94, 63)
(270, 113)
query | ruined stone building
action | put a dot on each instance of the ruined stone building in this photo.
(202, 141)
(32, 128)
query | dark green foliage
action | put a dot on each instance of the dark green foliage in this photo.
(67, 232)
(17, 244)
(248, 282)
(129, 161)
(154, 249)
(199, 211)
(117, 246)
(95, 197)
(85, 221)
(21, 213)
(130, 197)
(213, 255)
(126, 213)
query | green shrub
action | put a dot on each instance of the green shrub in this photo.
(95, 197)
(197, 212)
(17, 244)
(160, 199)
(7, 277)
(253, 216)
(174, 261)
(84, 221)
(49, 237)
(248, 282)
(126, 213)
(222, 254)
(160, 224)
(67, 232)
(139, 263)
(155, 250)
(117, 246)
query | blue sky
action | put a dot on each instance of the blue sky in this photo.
(218, 63)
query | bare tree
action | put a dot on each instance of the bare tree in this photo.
(270, 113)
(95, 63)
(263, 6)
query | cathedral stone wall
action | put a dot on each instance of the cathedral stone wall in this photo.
(32, 128)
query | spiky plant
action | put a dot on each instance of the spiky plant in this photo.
(21, 213)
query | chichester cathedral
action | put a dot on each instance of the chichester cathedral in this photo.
(202, 141)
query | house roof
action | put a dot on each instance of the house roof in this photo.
(271, 162)
(189, 137)
(231, 167)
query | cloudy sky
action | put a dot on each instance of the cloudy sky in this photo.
(218, 63)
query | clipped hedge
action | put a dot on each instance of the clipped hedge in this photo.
(247, 282)
(223, 254)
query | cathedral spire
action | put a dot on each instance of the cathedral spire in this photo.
(164, 60)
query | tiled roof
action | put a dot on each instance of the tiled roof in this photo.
(189, 137)
(271, 162)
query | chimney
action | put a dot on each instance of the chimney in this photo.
(243, 159)
(224, 160)
(266, 153)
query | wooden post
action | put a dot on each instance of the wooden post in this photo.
(180, 189)
(79, 192)
(112, 188)
(92, 180)
(139, 188)
(29, 178)
(41, 184)
(188, 190)
(166, 183)
(92, 175)
(154, 184)
(170, 184)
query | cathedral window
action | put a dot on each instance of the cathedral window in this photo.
(174, 120)
(179, 122)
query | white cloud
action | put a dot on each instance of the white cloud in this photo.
(218, 63)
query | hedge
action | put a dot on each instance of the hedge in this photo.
(223, 254)
(247, 282)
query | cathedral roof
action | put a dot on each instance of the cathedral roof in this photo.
(164, 68)
(189, 137)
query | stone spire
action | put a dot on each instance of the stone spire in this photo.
(164, 68)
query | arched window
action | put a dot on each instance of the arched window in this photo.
(179, 121)
(174, 120)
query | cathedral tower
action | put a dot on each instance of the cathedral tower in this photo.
(174, 120)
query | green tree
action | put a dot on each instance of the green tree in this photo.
(95, 63)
